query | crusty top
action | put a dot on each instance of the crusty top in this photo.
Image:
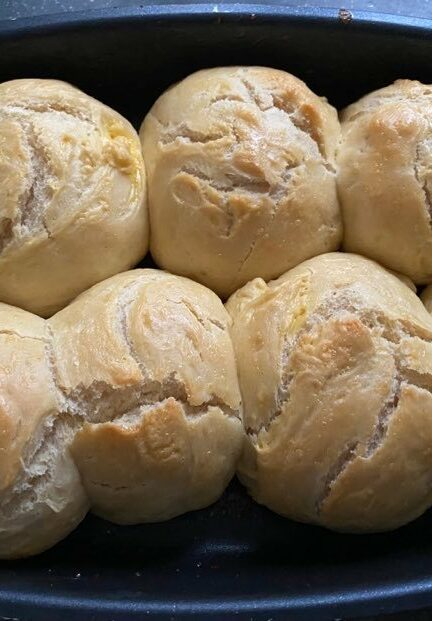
(385, 178)
(241, 175)
(66, 160)
(274, 313)
(131, 317)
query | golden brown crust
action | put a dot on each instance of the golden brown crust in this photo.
(153, 327)
(158, 463)
(384, 180)
(335, 361)
(72, 191)
(241, 175)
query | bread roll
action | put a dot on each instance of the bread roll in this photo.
(385, 178)
(41, 495)
(157, 385)
(126, 401)
(335, 369)
(241, 178)
(72, 194)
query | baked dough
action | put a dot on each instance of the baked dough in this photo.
(163, 431)
(241, 178)
(385, 178)
(72, 194)
(335, 369)
(126, 401)
(41, 495)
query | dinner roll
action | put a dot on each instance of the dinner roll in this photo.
(385, 178)
(335, 368)
(41, 495)
(146, 359)
(72, 194)
(241, 177)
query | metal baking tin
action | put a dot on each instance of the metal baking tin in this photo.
(234, 560)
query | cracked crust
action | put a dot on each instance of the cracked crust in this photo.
(240, 164)
(41, 495)
(72, 194)
(335, 369)
(163, 464)
(385, 182)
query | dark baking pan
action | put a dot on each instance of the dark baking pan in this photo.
(235, 560)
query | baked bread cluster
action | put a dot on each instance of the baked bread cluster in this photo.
(140, 398)
(126, 402)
